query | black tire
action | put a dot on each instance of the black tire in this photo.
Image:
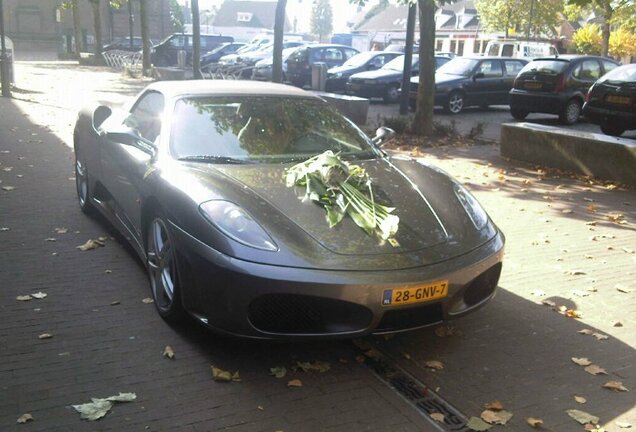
(82, 184)
(163, 269)
(518, 114)
(571, 112)
(455, 103)
(612, 129)
(391, 94)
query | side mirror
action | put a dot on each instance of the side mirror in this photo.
(478, 75)
(100, 114)
(382, 135)
(130, 136)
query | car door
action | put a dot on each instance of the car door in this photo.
(333, 56)
(511, 70)
(125, 159)
(583, 76)
(484, 86)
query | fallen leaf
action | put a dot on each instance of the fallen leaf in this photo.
(571, 313)
(115, 303)
(615, 217)
(567, 211)
(616, 386)
(617, 324)
(477, 424)
(534, 422)
(316, 366)
(582, 417)
(444, 331)
(623, 288)
(592, 208)
(295, 383)
(586, 332)
(98, 408)
(24, 298)
(600, 336)
(623, 425)
(580, 399)
(8, 188)
(548, 303)
(496, 417)
(434, 364)
(406, 355)
(4, 229)
(278, 371)
(147, 300)
(61, 230)
(50, 239)
(581, 361)
(223, 375)
(575, 272)
(90, 245)
(168, 352)
(595, 370)
(45, 336)
(39, 295)
(494, 405)
(438, 417)
(25, 418)
(627, 250)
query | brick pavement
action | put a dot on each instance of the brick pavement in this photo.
(99, 349)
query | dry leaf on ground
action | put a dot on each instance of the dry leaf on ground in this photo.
(45, 336)
(90, 245)
(582, 417)
(315, 366)
(25, 418)
(98, 408)
(8, 188)
(434, 364)
(623, 425)
(534, 422)
(581, 361)
(147, 300)
(295, 383)
(39, 295)
(477, 424)
(61, 230)
(24, 298)
(278, 371)
(616, 386)
(168, 352)
(586, 332)
(224, 376)
(580, 399)
(438, 417)
(496, 417)
(595, 370)
(600, 336)
(494, 405)
(623, 289)
(571, 313)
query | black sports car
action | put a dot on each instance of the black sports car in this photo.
(193, 175)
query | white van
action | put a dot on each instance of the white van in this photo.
(520, 49)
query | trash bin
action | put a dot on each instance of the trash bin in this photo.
(181, 59)
(318, 76)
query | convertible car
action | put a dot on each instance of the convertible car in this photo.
(193, 175)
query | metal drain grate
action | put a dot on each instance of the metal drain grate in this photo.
(417, 394)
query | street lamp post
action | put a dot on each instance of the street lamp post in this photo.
(4, 65)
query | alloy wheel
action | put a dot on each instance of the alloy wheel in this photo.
(81, 182)
(161, 265)
(455, 103)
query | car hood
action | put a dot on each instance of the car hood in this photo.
(344, 69)
(378, 74)
(441, 78)
(433, 224)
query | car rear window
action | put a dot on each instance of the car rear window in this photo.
(625, 73)
(547, 67)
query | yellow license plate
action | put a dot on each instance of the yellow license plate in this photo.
(621, 100)
(533, 85)
(415, 294)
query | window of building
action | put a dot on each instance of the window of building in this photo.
(244, 16)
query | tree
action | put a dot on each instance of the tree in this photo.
(145, 37)
(73, 5)
(607, 10)
(176, 17)
(518, 16)
(622, 43)
(321, 19)
(588, 40)
(196, 40)
(279, 29)
(97, 24)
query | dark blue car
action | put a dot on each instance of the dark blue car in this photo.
(366, 61)
(218, 52)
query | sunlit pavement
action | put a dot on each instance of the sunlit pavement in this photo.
(570, 245)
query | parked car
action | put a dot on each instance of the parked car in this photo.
(165, 52)
(299, 64)
(520, 49)
(263, 68)
(192, 175)
(385, 82)
(365, 61)
(264, 52)
(472, 81)
(556, 85)
(224, 49)
(611, 101)
(123, 44)
(231, 59)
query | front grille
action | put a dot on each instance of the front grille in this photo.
(301, 314)
(482, 286)
(403, 319)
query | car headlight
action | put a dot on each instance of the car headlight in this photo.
(237, 224)
(475, 211)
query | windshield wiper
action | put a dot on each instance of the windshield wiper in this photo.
(214, 159)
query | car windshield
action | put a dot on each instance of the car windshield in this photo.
(546, 67)
(458, 66)
(359, 59)
(219, 48)
(262, 129)
(397, 63)
(621, 74)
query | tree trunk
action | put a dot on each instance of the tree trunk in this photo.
(145, 36)
(97, 22)
(605, 28)
(423, 120)
(196, 40)
(77, 27)
(279, 30)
